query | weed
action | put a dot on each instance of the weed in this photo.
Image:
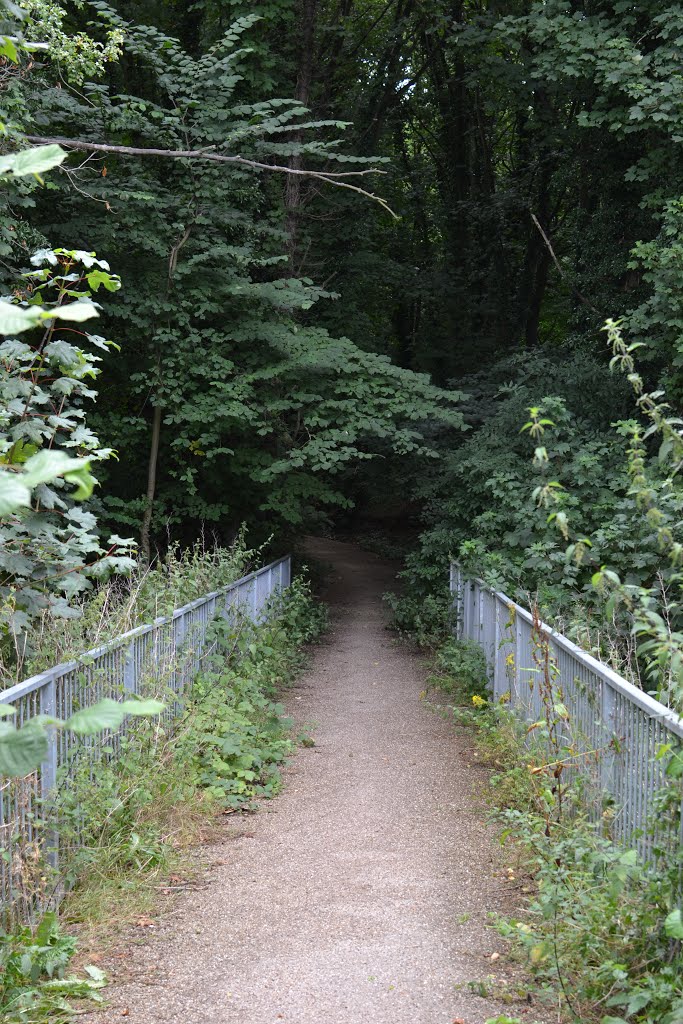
(124, 602)
(602, 933)
(460, 671)
(34, 985)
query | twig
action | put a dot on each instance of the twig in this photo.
(575, 290)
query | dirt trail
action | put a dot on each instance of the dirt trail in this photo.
(358, 896)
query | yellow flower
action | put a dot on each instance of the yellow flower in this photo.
(478, 701)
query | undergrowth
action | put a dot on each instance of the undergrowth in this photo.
(34, 983)
(121, 603)
(126, 822)
(602, 933)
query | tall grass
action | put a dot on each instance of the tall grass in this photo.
(123, 602)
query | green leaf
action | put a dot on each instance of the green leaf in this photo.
(76, 311)
(32, 161)
(100, 277)
(109, 714)
(673, 925)
(15, 319)
(143, 708)
(8, 49)
(45, 466)
(14, 494)
(81, 476)
(96, 975)
(22, 750)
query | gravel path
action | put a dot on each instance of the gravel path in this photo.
(358, 896)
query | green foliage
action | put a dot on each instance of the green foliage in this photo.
(120, 603)
(461, 670)
(600, 926)
(276, 408)
(23, 747)
(601, 931)
(34, 985)
(76, 55)
(51, 548)
(224, 748)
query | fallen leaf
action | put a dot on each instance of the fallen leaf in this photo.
(145, 922)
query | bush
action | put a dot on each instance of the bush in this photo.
(600, 928)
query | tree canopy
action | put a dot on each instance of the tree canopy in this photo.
(356, 241)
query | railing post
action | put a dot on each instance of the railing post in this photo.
(608, 716)
(496, 648)
(130, 669)
(460, 603)
(179, 630)
(48, 768)
(514, 686)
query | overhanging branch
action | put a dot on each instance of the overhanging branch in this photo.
(338, 179)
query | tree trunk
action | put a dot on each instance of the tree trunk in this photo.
(145, 547)
(145, 529)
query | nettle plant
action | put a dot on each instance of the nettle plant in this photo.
(643, 597)
(50, 548)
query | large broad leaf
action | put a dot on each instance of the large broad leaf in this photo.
(83, 478)
(143, 708)
(77, 311)
(673, 926)
(22, 750)
(15, 319)
(32, 161)
(44, 466)
(109, 714)
(14, 494)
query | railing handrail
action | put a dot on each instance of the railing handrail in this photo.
(35, 682)
(645, 702)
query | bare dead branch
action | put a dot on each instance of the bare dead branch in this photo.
(560, 271)
(331, 177)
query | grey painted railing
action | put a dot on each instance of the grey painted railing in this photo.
(613, 729)
(164, 656)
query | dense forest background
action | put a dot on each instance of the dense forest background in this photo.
(435, 208)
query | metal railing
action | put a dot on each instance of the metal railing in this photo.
(164, 656)
(613, 729)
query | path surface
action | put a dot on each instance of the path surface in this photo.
(358, 896)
